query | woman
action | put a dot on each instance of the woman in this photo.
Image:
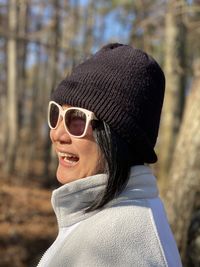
(104, 121)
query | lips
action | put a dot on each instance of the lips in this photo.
(68, 159)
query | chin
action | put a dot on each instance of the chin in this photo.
(63, 178)
(67, 175)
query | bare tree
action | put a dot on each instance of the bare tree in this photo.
(3, 109)
(53, 74)
(12, 125)
(175, 86)
(88, 28)
(184, 187)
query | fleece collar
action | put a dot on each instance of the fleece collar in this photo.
(70, 200)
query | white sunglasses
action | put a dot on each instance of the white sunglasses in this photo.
(76, 120)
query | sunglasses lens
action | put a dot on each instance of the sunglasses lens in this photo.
(75, 121)
(53, 115)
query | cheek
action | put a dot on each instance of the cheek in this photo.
(87, 149)
(91, 157)
(51, 135)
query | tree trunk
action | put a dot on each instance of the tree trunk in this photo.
(12, 128)
(21, 55)
(22, 145)
(88, 28)
(75, 13)
(180, 197)
(3, 109)
(175, 91)
(53, 73)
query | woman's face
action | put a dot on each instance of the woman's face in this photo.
(77, 157)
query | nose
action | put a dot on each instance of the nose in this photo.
(60, 134)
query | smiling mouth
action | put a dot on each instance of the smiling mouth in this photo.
(68, 158)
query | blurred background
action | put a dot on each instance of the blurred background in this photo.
(40, 42)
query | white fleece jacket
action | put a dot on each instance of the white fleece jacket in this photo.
(132, 230)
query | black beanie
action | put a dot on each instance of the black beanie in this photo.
(124, 87)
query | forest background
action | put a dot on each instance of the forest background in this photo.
(40, 42)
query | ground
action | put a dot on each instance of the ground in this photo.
(27, 224)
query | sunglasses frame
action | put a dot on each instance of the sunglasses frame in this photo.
(89, 117)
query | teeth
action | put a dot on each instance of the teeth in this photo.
(67, 155)
(63, 154)
(71, 162)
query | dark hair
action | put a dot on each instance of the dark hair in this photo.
(118, 157)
